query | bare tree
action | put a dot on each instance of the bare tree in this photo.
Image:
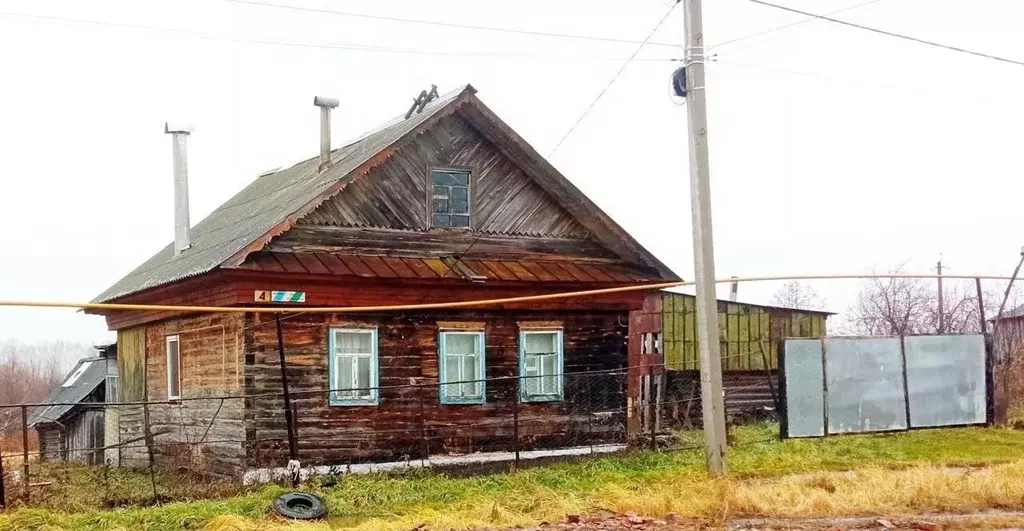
(900, 306)
(29, 371)
(796, 294)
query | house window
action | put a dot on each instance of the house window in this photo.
(110, 392)
(353, 366)
(462, 367)
(540, 365)
(451, 198)
(173, 368)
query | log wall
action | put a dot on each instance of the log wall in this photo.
(409, 420)
(201, 435)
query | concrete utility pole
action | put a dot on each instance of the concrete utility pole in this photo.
(712, 397)
(942, 315)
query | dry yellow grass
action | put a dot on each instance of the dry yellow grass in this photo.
(894, 474)
(873, 491)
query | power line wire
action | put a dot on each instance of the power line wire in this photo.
(613, 79)
(892, 34)
(329, 46)
(458, 257)
(791, 24)
(449, 24)
(853, 82)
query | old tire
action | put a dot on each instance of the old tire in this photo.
(300, 506)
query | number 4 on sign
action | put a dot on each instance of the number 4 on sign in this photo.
(280, 296)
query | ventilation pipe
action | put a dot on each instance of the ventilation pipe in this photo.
(325, 104)
(179, 140)
(733, 290)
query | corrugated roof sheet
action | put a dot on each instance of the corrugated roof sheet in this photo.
(93, 373)
(369, 266)
(263, 204)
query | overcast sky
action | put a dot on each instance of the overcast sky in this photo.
(833, 150)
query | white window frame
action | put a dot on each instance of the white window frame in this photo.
(557, 395)
(167, 352)
(334, 374)
(481, 369)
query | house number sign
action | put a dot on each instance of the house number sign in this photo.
(280, 296)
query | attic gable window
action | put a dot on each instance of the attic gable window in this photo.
(451, 198)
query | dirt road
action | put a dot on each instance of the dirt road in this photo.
(932, 522)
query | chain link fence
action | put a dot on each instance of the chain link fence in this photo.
(147, 452)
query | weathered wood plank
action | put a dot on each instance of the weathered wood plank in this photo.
(408, 355)
(436, 243)
(394, 194)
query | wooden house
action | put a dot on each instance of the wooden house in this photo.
(663, 345)
(444, 204)
(73, 426)
(1007, 337)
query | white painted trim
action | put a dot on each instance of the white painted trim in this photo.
(333, 372)
(167, 366)
(265, 475)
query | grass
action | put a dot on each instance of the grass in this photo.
(893, 474)
(75, 487)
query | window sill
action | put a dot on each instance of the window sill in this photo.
(540, 398)
(354, 402)
(462, 401)
(449, 229)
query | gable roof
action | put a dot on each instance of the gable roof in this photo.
(273, 203)
(88, 374)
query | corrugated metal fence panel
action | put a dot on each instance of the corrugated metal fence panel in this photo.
(748, 334)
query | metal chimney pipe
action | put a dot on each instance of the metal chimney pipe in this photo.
(325, 104)
(179, 148)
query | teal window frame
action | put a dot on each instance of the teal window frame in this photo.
(558, 395)
(481, 368)
(333, 375)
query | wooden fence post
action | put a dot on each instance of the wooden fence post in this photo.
(3, 495)
(515, 423)
(24, 451)
(652, 408)
(289, 419)
(149, 449)
(420, 390)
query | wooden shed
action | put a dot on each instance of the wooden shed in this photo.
(663, 341)
(444, 204)
(73, 426)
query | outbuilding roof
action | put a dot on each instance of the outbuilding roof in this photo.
(84, 378)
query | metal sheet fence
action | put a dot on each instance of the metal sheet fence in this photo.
(867, 384)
